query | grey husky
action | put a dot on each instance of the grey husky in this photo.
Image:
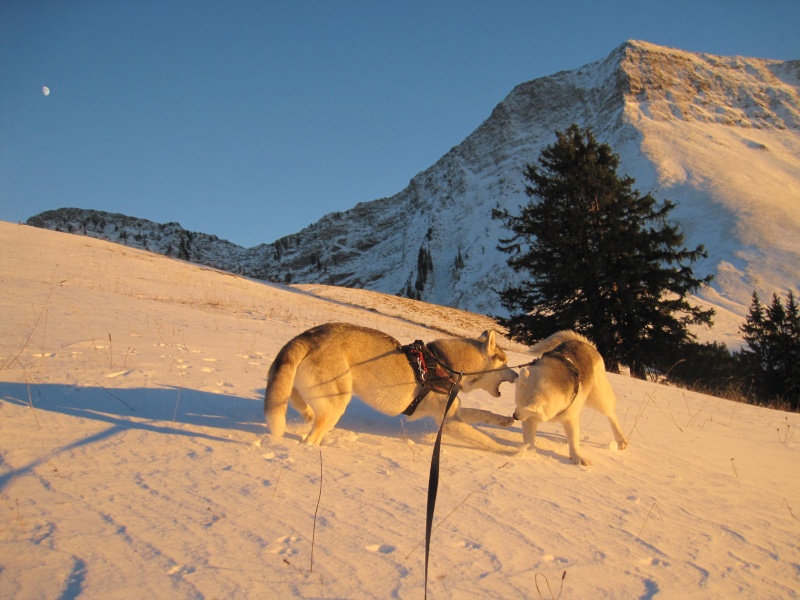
(321, 369)
(569, 374)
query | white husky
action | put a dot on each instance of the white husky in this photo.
(319, 371)
(569, 374)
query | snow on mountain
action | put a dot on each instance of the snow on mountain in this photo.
(723, 137)
(719, 136)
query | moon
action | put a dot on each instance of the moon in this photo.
(46, 90)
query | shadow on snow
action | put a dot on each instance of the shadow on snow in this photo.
(167, 411)
(184, 412)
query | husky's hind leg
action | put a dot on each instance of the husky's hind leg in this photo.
(331, 400)
(603, 399)
(622, 441)
(326, 417)
(297, 402)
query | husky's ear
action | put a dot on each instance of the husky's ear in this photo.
(489, 341)
(524, 374)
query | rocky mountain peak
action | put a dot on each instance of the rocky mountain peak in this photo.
(735, 91)
(719, 136)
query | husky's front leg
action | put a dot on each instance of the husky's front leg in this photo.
(572, 431)
(478, 415)
(466, 432)
(528, 436)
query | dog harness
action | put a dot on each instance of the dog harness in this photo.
(572, 368)
(428, 372)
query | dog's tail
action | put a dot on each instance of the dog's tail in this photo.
(555, 340)
(280, 382)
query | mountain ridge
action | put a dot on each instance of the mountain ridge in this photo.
(719, 136)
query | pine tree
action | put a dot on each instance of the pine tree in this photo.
(772, 357)
(753, 328)
(600, 258)
(793, 352)
(754, 358)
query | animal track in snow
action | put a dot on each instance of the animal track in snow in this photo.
(271, 455)
(654, 562)
(285, 545)
(180, 570)
(468, 545)
(556, 559)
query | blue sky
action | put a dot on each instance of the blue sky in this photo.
(252, 119)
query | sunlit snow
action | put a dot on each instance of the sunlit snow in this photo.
(134, 461)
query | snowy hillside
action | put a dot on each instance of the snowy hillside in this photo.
(719, 136)
(134, 462)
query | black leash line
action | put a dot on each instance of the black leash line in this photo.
(433, 481)
(460, 373)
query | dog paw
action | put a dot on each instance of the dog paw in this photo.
(580, 461)
(523, 450)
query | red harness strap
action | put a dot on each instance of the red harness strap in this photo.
(428, 372)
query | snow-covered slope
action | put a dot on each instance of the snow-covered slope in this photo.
(723, 137)
(134, 461)
(719, 136)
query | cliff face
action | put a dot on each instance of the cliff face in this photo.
(719, 136)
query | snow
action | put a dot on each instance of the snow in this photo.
(134, 461)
